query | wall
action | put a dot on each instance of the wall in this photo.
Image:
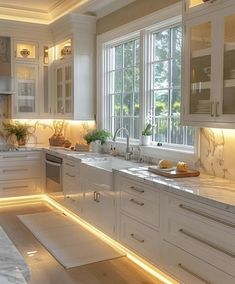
(131, 12)
(217, 154)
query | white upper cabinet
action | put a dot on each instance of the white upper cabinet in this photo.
(74, 67)
(209, 67)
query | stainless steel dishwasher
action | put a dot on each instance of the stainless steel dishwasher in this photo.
(54, 186)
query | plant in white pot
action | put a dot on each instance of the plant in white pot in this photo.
(96, 138)
(147, 134)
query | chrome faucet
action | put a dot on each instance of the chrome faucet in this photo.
(128, 150)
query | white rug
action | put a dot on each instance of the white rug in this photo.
(71, 244)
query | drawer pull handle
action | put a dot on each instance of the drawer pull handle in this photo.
(69, 175)
(14, 170)
(208, 216)
(137, 238)
(136, 202)
(205, 242)
(137, 189)
(73, 200)
(181, 266)
(15, 156)
(15, 187)
(67, 164)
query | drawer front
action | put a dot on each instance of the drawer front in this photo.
(137, 188)
(16, 170)
(189, 269)
(20, 188)
(140, 238)
(74, 202)
(19, 156)
(143, 209)
(208, 237)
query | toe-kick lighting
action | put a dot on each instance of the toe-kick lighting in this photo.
(130, 255)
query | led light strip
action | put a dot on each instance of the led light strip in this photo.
(14, 201)
(130, 255)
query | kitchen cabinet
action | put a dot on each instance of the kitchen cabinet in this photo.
(74, 68)
(64, 90)
(32, 73)
(20, 174)
(209, 68)
(199, 241)
(73, 195)
(192, 6)
(139, 217)
(99, 206)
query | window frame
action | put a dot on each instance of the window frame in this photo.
(167, 17)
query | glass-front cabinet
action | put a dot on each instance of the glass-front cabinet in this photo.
(197, 5)
(64, 94)
(209, 69)
(26, 86)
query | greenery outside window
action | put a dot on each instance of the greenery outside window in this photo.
(142, 81)
(165, 66)
(123, 81)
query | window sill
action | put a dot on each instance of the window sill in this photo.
(160, 152)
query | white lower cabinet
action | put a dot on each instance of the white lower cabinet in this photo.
(99, 207)
(189, 269)
(73, 195)
(20, 173)
(140, 238)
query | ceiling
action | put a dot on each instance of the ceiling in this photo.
(47, 11)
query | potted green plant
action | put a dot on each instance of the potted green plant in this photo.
(147, 134)
(96, 138)
(19, 130)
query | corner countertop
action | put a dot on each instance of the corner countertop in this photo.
(13, 269)
(207, 189)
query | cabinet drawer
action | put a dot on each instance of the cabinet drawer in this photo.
(20, 188)
(189, 269)
(16, 170)
(202, 233)
(137, 188)
(20, 156)
(140, 238)
(143, 209)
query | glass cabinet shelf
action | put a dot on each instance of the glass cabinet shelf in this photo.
(201, 52)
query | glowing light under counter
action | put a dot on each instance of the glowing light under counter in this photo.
(155, 272)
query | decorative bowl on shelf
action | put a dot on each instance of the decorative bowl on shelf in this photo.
(66, 50)
(24, 52)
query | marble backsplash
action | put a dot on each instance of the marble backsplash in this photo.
(217, 152)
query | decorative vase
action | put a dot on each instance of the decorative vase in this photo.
(57, 140)
(96, 146)
(146, 140)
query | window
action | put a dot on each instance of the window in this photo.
(143, 79)
(165, 66)
(123, 87)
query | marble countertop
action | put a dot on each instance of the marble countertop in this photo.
(210, 190)
(13, 269)
(207, 189)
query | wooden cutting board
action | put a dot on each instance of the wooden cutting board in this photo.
(172, 173)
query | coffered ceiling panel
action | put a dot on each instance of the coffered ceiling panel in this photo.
(47, 11)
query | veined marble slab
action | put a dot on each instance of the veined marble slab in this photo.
(210, 190)
(12, 265)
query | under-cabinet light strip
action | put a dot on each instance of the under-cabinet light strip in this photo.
(16, 201)
(132, 256)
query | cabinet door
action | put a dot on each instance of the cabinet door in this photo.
(64, 93)
(198, 5)
(98, 207)
(198, 88)
(26, 104)
(228, 91)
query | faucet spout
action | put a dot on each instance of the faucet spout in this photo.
(128, 151)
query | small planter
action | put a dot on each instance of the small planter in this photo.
(21, 141)
(96, 146)
(146, 140)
